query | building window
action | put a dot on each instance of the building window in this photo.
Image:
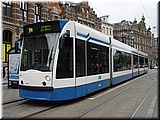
(7, 8)
(87, 14)
(37, 15)
(103, 19)
(107, 31)
(103, 30)
(110, 31)
(23, 11)
(7, 42)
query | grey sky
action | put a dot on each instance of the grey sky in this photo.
(127, 10)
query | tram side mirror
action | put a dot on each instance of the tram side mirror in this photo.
(63, 39)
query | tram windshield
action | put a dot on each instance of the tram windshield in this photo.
(38, 52)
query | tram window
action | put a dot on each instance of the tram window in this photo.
(135, 61)
(65, 60)
(121, 60)
(141, 62)
(80, 58)
(35, 54)
(98, 59)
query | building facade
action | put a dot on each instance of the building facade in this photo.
(107, 28)
(136, 35)
(80, 12)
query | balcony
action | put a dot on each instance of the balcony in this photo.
(8, 19)
(13, 20)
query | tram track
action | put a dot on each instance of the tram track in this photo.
(98, 105)
(141, 102)
(13, 101)
(83, 113)
(41, 111)
(115, 95)
(25, 102)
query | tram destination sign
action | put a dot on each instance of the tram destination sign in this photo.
(41, 27)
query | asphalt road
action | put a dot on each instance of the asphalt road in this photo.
(136, 98)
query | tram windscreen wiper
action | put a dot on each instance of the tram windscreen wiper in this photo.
(50, 58)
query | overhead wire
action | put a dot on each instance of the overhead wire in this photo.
(113, 21)
(146, 13)
(99, 11)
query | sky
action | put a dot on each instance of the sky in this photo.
(127, 10)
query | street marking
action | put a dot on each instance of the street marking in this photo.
(151, 109)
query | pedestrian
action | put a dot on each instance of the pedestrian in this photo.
(6, 73)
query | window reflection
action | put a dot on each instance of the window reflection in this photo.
(121, 61)
(98, 59)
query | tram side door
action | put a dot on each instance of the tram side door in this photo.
(80, 68)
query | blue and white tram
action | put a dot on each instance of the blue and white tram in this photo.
(63, 60)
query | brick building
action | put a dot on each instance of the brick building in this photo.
(80, 12)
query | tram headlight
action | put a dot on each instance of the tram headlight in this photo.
(20, 77)
(48, 78)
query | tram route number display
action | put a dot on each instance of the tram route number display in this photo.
(42, 27)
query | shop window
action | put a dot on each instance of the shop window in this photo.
(7, 44)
